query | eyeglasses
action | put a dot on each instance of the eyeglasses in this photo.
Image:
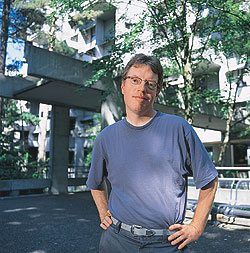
(152, 85)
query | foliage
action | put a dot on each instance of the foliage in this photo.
(188, 37)
(93, 133)
(60, 47)
(112, 65)
(183, 45)
(34, 169)
(230, 38)
(18, 21)
(14, 160)
(37, 169)
(172, 42)
(26, 19)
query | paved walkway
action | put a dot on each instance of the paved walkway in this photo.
(69, 223)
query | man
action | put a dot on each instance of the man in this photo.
(147, 157)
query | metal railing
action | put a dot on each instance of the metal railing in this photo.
(230, 209)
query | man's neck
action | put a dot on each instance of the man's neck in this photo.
(140, 120)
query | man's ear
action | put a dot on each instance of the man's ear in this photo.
(122, 86)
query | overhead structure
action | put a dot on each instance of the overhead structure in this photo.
(58, 80)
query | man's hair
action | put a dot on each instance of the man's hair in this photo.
(151, 61)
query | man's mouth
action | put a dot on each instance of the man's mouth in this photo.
(141, 97)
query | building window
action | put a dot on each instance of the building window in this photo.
(239, 75)
(35, 136)
(129, 25)
(72, 123)
(88, 122)
(91, 52)
(92, 33)
(210, 152)
(74, 38)
(200, 82)
(33, 152)
(71, 157)
(25, 135)
(49, 114)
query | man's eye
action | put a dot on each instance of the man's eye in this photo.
(151, 84)
(134, 80)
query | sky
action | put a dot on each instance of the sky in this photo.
(15, 53)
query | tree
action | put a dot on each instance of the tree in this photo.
(184, 37)
(234, 17)
(13, 153)
(18, 23)
(15, 23)
(4, 34)
(3, 47)
(174, 40)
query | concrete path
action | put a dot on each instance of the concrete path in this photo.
(70, 223)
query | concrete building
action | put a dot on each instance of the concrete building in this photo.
(62, 76)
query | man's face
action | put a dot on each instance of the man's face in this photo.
(139, 99)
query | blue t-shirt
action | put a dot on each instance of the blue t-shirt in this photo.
(147, 167)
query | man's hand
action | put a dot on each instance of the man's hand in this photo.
(105, 220)
(185, 234)
(190, 233)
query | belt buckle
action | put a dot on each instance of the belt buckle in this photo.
(148, 232)
(132, 230)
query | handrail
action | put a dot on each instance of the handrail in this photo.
(233, 168)
(237, 187)
(230, 209)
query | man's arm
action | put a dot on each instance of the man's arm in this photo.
(191, 232)
(101, 200)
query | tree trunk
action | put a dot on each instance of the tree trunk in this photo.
(43, 131)
(226, 139)
(4, 34)
(187, 67)
(45, 108)
(52, 32)
(3, 48)
(229, 120)
(188, 82)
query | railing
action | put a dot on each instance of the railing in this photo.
(231, 209)
(25, 172)
(16, 186)
(77, 176)
(236, 169)
(77, 171)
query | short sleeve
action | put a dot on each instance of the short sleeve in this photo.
(198, 161)
(98, 165)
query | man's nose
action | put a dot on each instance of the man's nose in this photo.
(142, 85)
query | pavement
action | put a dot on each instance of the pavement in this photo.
(70, 223)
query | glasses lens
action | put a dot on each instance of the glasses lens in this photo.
(134, 80)
(137, 81)
(151, 85)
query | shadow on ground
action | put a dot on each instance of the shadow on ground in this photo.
(70, 223)
(64, 223)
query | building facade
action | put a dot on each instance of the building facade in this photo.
(92, 40)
